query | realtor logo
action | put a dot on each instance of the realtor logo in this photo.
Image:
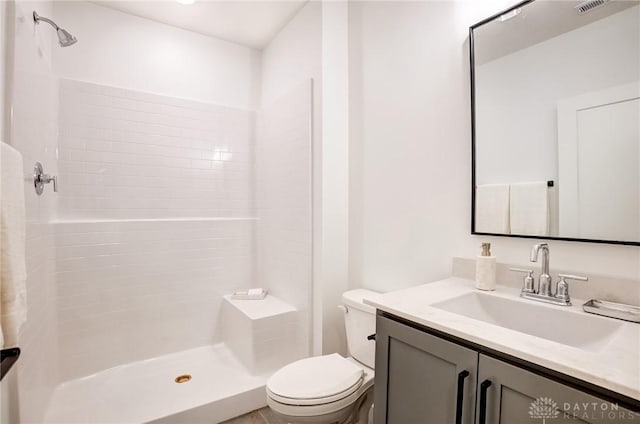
(543, 407)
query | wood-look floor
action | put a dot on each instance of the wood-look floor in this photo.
(261, 416)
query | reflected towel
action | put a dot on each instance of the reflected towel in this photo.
(492, 208)
(13, 272)
(529, 207)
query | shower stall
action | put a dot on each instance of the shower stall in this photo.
(183, 166)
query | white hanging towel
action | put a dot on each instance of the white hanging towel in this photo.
(529, 208)
(13, 270)
(492, 208)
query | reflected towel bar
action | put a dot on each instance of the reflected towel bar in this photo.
(550, 183)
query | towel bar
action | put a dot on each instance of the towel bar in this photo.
(550, 183)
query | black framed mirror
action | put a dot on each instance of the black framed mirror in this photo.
(555, 110)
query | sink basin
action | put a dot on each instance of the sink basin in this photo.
(553, 323)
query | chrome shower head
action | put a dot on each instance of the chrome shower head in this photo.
(65, 38)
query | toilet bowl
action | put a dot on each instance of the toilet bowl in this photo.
(331, 388)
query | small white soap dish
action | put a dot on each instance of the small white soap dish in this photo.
(251, 294)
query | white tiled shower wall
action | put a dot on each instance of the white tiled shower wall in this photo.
(283, 202)
(143, 178)
(154, 223)
(155, 219)
(128, 154)
(131, 290)
(33, 127)
(293, 56)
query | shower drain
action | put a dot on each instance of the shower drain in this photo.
(183, 378)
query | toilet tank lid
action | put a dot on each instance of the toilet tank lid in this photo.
(355, 299)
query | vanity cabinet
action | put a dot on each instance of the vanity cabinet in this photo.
(423, 378)
(514, 391)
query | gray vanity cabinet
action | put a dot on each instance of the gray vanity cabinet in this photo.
(424, 379)
(515, 395)
(421, 378)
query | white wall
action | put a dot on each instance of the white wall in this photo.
(410, 210)
(33, 128)
(315, 45)
(125, 51)
(154, 220)
(294, 56)
(129, 154)
(156, 167)
(410, 142)
(5, 399)
(133, 290)
(335, 171)
(4, 32)
(283, 205)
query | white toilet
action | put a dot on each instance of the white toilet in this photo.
(331, 389)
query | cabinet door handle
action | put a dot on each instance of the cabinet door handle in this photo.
(483, 401)
(461, 377)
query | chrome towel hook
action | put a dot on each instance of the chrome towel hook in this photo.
(40, 179)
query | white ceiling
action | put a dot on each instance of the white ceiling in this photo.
(251, 23)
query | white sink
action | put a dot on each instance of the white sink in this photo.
(554, 323)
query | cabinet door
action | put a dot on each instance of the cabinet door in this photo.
(511, 395)
(420, 378)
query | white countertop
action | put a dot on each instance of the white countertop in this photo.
(615, 367)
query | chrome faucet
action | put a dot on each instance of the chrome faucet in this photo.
(544, 294)
(544, 282)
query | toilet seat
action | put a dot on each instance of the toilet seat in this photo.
(339, 407)
(315, 381)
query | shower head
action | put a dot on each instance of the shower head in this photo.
(65, 38)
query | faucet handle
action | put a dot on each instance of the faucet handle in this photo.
(527, 282)
(521, 270)
(562, 290)
(572, 277)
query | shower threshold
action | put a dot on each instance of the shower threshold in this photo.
(148, 391)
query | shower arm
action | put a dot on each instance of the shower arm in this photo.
(65, 38)
(37, 18)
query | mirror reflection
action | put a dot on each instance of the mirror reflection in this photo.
(557, 121)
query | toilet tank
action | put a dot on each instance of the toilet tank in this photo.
(359, 323)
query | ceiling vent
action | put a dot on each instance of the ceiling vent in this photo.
(589, 5)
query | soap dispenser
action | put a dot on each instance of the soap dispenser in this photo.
(486, 269)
